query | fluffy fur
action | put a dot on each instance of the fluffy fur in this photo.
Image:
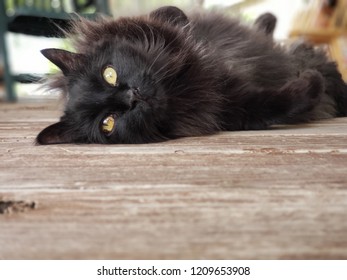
(187, 76)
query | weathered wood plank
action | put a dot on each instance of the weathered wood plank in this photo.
(273, 194)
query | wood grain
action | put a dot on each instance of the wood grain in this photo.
(274, 194)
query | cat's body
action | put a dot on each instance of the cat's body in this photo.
(180, 76)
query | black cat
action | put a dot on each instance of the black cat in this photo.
(166, 75)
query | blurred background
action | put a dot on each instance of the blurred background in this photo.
(26, 28)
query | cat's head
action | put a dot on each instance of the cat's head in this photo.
(111, 97)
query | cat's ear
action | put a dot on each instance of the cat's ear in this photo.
(54, 134)
(266, 23)
(170, 14)
(65, 60)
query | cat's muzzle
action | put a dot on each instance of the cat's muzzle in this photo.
(133, 97)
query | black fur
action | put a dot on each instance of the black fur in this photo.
(187, 76)
(266, 23)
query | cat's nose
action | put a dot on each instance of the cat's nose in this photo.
(132, 97)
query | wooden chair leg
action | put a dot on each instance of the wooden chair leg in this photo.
(8, 78)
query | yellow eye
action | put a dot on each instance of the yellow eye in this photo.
(108, 125)
(110, 76)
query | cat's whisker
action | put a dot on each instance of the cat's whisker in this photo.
(164, 48)
(155, 60)
(171, 62)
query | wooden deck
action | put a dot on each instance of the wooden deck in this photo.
(275, 194)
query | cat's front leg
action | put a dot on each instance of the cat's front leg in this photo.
(292, 103)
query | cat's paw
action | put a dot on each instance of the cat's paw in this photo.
(312, 83)
(266, 23)
(304, 92)
(301, 46)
